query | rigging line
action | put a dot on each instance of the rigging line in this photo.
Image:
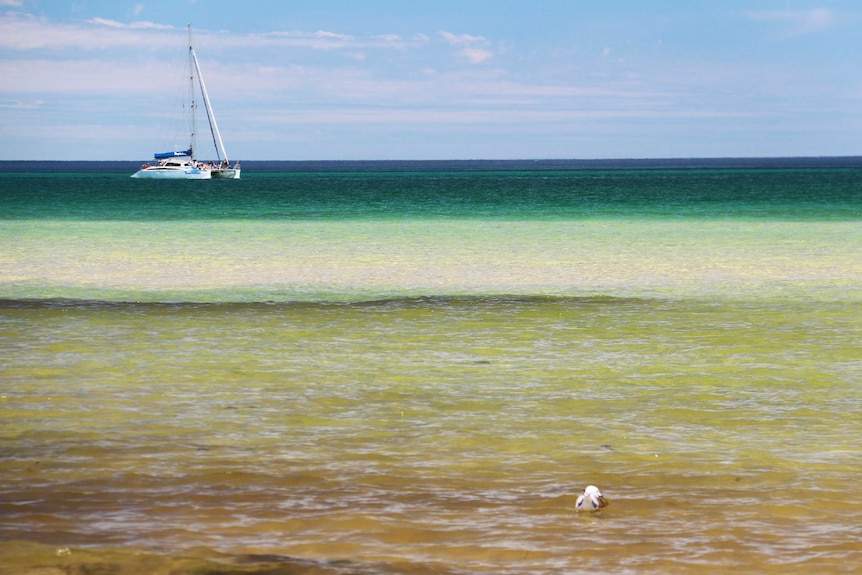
(214, 131)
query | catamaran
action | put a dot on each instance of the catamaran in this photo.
(182, 164)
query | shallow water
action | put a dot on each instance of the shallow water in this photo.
(448, 431)
(367, 260)
(427, 395)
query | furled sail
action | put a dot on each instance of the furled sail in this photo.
(176, 154)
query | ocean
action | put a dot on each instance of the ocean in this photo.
(417, 367)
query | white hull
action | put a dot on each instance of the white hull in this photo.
(172, 173)
(226, 173)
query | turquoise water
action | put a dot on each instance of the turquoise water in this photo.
(420, 371)
(785, 194)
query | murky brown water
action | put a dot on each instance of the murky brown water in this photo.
(432, 436)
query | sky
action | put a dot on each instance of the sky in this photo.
(435, 79)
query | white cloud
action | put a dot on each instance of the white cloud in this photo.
(396, 41)
(799, 22)
(389, 37)
(138, 25)
(42, 76)
(404, 116)
(473, 48)
(319, 40)
(333, 35)
(20, 105)
(26, 32)
(22, 32)
(107, 68)
(11, 3)
(463, 39)
(477, 55)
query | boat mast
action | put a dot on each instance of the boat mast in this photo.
(193, 106)
(217, 142)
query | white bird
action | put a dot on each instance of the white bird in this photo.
(591, 500)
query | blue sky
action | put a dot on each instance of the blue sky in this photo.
(437, 79)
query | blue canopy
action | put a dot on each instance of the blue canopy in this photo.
(173, 154)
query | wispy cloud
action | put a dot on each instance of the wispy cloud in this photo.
(797, 22)
(138, 25)
(21, 32)
(333, 35)
(322, 40)
(318, 40)
(473, 48)
(108, 65)
(43, 76)
(471, 117)
(20, 105)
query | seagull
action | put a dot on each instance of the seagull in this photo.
(591, 500)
